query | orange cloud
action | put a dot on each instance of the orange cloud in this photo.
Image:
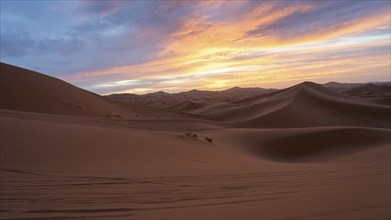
(223, 54)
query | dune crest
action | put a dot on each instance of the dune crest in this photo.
(29, 91)
(304, 105)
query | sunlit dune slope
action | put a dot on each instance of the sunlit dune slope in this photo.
(304, 105)
(29, 91)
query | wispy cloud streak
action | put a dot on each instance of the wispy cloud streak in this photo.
(143, 46)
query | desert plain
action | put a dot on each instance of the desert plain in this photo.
(309, 151)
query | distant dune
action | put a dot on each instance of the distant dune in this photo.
(168, 100)
(380, 94)
(305, 152)
(303, 105)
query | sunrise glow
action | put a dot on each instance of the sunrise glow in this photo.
(147, 46)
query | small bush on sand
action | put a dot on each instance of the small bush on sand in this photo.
(189, 134)
(209, 139)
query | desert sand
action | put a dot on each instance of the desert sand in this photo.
(305, 152)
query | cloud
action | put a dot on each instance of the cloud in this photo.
(168, 45)
(15, 45)
(111, 33)
(97, 8)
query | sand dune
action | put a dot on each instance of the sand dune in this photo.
(369, 90)
(98, 172)
(25, 90)
(304, 105)
(74, 146)
(340, 87)
(304, 144)
(167, 100)
(188, 106)
(380, 94)
(304, 152)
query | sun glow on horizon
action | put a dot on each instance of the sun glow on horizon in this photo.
(219, 44)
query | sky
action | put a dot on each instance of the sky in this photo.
(147, 46)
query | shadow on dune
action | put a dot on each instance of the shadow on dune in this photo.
(309, 144)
